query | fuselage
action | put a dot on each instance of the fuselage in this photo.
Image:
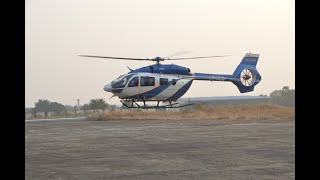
(146, 86)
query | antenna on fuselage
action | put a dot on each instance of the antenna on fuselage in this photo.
(129, 68)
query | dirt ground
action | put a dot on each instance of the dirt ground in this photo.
(159, 149)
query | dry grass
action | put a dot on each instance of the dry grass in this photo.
(200, 112)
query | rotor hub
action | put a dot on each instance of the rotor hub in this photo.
(246, 77)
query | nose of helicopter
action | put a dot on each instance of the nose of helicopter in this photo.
(107, 88)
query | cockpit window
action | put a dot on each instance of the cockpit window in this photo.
(134, 82)
(121, 81)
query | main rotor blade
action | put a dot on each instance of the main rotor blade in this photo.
(178, 54)
(195, 57)
(117, 58)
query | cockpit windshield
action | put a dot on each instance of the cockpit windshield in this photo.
(121, 81)
(118, 78)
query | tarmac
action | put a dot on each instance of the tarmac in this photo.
(159, 149)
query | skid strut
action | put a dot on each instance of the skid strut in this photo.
(170, 105)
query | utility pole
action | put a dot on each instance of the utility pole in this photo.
(75, 110)
(35, 110)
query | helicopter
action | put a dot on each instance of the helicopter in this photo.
(168, 82)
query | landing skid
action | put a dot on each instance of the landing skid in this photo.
(171, 105)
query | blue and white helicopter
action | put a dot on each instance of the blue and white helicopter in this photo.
(168, 82)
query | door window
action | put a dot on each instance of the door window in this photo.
(163, 81)
(147, 81)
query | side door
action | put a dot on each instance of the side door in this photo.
(133, 87)
(147, 84)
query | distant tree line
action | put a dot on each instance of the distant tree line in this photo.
(284, 96)
(97, 104)
(45, 106)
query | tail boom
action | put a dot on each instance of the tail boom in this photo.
(245, 76)
(213, 77)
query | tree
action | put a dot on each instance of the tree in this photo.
(56, 107)
(93, 104)
(85, 107)
(285, 96)
(263, 95)
(34, 112)
(43, 106)
(97, 104)
(111, 107)
(28, 110)
(285, 89)
(65, 111)
(101, 104)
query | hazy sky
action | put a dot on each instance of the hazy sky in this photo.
(60, 30)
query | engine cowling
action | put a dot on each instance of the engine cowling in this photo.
(164, 69)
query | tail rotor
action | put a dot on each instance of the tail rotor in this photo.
(246, 74)
(247, 77)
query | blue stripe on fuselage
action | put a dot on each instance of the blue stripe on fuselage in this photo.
(151, 93)
(180, 92)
